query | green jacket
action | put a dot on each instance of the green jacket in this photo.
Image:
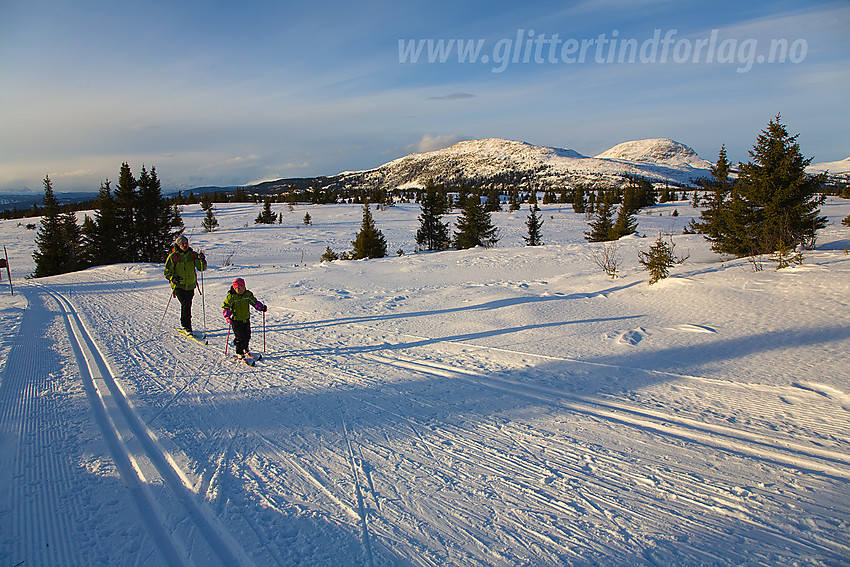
(184, 265)
(239, 305)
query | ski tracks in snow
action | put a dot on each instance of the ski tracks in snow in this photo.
(182, 528)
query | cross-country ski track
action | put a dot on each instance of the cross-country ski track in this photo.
(390, 424)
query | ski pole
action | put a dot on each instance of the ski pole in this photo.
(264, 332)
(227, 340)
(166, 309)
(203, 303)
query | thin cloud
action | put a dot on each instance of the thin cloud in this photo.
(453, 96)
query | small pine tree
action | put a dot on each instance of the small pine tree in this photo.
(626, 223)
(329, 255)
(578, 200)
(433, 233)
(210, 223)
(370, 242)
(308, 220)
(474, 226)
(658, 260)
(534, 223)
(266, 216)
(602, 227)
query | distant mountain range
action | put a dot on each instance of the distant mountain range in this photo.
(495, 162)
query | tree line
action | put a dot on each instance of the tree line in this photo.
(772, 205)
(132, 223)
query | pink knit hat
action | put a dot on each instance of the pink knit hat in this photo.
(238, 282)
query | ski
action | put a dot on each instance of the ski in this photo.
(199, 338)
(249, 360)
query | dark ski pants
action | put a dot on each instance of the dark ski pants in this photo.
(184, 296)
(241, 335)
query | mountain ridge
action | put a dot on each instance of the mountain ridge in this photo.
(501, 162)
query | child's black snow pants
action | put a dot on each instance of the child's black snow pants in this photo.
(241, 335)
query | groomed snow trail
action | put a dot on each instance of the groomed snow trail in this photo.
(355, 442)
(180, 527)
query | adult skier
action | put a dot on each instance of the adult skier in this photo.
(181, 269)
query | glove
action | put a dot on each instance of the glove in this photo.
(227, 314)
(260, 307)
(176, 279)
(202, 257)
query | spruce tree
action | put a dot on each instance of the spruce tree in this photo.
(370, 242)
(534, 223)
(153, 219)
(102, 239)
(126, 205)
(474, 226)
(266, 216)
(625, 224)
(494, 202)
(210, 223)
(72, 243)
(433, 233)
(658, 260)
(49, 254)
(602, 227)
(713, 220)
(775, 204)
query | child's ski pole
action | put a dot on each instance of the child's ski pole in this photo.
(264, 332)
(227, 340)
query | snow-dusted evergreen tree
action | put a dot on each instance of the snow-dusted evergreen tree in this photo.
(534, 223)
(474, 226)
(433, 233)
(50, 257)
(370, 242)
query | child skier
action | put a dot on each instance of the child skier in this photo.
(237, 312)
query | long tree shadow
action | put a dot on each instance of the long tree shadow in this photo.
(486, 306)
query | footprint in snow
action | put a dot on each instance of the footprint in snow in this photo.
(631, 337)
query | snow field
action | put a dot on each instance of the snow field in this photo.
(510, 406)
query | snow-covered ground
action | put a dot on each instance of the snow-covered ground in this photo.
(508, 406)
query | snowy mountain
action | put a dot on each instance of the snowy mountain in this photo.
(496, 161)
(836, 168)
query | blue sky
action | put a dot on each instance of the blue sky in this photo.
(214, 93)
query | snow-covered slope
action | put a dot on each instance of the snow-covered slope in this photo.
(841, 167)
(499, 407)
(658, 151)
